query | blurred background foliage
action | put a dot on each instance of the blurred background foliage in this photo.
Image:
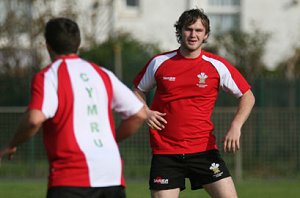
(133, 54)
(23, 53)
(244, 50)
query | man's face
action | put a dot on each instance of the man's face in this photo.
(193, 36)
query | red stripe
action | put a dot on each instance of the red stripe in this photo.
(67, 159)
(37, 90)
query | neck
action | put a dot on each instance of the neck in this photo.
(55, 56)
(189, 53)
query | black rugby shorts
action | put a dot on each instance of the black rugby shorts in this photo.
(83, 192)
(170, 171)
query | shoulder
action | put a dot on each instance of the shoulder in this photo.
(156, 61)
(164, 56)
(217, 61)
(100, 70)
(106, 71)
(40, 74)
(51, 67)
(213, 57)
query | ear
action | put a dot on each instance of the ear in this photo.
(206, 36)
(51, 53)
(48, 47)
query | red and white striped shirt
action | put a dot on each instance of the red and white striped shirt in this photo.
(77, 98)
(186, 90)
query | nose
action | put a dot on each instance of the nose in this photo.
(193, 33)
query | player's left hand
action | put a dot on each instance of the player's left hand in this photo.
(231, 141)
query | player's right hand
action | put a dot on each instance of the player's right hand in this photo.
(9, 151)
(155, 120)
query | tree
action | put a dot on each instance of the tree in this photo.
(22, 46)
(244, 50)
(134, 54)
(290, 68)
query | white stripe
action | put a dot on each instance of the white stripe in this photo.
(104, 161)
(50, 100)
(226, 81)
(148, 81)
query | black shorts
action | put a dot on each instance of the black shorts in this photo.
(83, 192)
(170, 171)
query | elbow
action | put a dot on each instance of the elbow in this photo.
(35, 118)
(34, 122)
(142, 115)
(250, 98)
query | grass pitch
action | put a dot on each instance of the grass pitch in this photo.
(139, 188)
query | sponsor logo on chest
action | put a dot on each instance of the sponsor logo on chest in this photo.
(202, 77)
(169, 78)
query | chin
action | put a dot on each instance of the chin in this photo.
(192, 49)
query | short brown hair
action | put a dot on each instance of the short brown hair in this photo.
(189, 17)
(62, 35)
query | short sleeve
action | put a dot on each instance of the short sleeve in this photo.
(44, 93)
(123, 99)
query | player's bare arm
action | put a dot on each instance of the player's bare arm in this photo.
(232, 138)
(155, 119)
(130, 125)
(28, 127)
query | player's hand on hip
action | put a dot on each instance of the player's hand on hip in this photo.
(155, 120)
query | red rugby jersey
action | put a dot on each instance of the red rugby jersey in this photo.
(77, 98)
(186, 90)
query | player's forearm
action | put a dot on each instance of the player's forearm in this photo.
(24, 132)
(130, 126)
(28, 127)
(245, 106)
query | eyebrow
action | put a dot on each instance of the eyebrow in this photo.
(197, 29)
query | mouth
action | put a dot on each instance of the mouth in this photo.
(192, 42)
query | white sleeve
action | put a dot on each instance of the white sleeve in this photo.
(50, 103)
(148, 81)
(44, 91)
(123, 100)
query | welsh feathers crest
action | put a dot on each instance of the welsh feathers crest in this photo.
(202, 78)
(215, 168)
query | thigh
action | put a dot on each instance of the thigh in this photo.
(167, 172)
(223, 188)
(171, 193)
(205, 168)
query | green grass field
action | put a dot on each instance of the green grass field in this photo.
(138, 189)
